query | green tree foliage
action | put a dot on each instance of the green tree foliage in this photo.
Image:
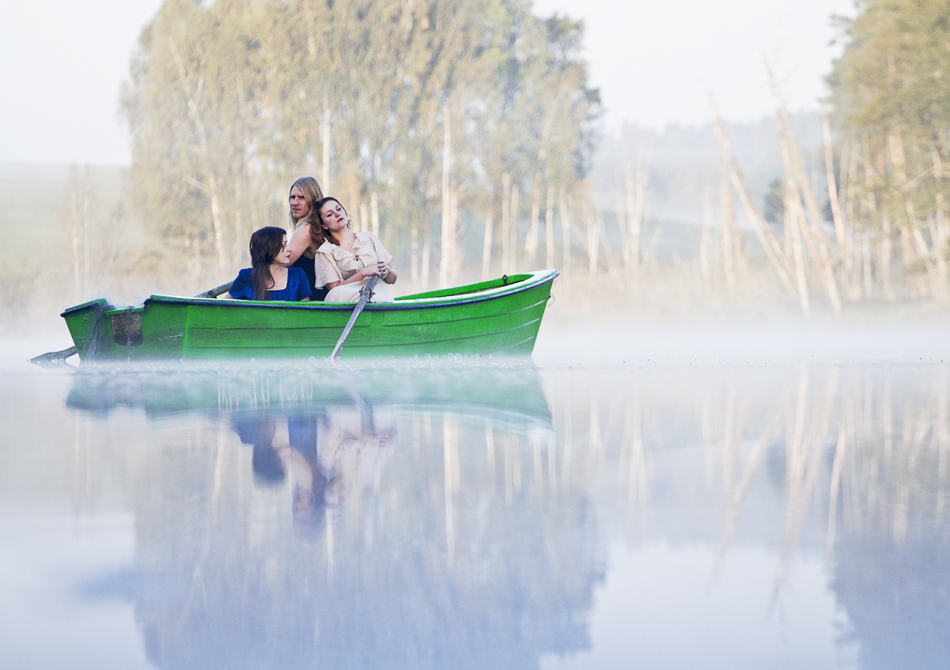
(892, 103)
(229, 101)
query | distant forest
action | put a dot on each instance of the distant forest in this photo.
(467, 135)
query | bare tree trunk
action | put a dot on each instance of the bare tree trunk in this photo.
(728, 219)
(808, 196)
(505, 221)
(796, 167)
(565, 230)
(940, 236)
(793, 219)
(240, 237)
(851, 262)
(326, 144)
(531, 246)
(85, 228)
(770, 245)
(196, 261)
(620, 208)
(870, 206)
(549, 228)
(486, 243)
(635, 188)
(414, 274)
(74, 223)
(799, 188)
(836, 214)
(448, 233)
(593, 241)
(216, 219)
(238, 232)
(364, 217)
(513, 242)
(705, 244)
(886, 250)
(426, 256)
(894, 145)
(457, 259)
(939, 233)
(374, 208)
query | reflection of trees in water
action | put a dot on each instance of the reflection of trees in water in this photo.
(478, 546)
(856, 460)
(465, 555)
(896, 596)
(892, 552)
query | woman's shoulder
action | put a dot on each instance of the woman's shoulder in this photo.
(366, 237)
(327, 248)
(241, 287)
(244, 276)
(296, 273)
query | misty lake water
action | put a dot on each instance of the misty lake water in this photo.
(612, 503)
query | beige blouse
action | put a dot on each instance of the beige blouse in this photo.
(333, 263)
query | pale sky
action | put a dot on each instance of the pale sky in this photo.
(655, 61)
(62, 62)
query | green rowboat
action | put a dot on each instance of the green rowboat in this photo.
(500, 316)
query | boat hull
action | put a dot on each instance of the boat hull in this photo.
(496, 317)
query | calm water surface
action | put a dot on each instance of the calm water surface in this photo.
(476, 515)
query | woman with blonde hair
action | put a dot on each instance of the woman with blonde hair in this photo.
(307, 235)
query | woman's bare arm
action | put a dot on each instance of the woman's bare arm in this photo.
(387, 273)
(357, 276)
(299, 242)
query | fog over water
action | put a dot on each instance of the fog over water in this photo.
(764, 493)
(730, 449)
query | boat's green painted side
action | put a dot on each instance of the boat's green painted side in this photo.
(501, 316)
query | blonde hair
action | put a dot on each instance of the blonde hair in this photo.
(312, 193)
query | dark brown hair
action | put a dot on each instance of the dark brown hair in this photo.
(266, 243)
(320, 204)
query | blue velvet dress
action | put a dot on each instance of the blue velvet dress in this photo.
(298, 287)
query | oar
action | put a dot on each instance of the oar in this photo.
(365, 294)
(216, 291)
(54, 357)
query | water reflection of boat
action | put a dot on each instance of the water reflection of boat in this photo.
(458, 555)
(498, 316)
(510, 397)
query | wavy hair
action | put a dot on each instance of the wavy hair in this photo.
(320, 204)
(312, 193)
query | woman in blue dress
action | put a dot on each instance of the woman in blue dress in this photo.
(270, 277)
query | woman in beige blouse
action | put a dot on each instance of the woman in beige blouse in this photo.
(346, 260)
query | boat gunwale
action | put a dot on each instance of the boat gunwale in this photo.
(87, 305)
(538, 278)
